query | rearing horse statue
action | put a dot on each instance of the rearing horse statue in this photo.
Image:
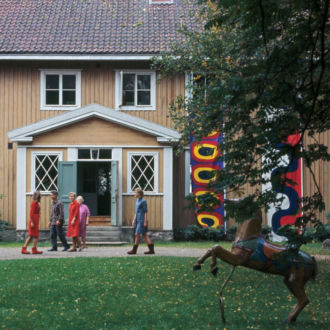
(252, 251)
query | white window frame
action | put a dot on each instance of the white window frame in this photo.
(43, 105)
(156, 171)
(118, 90)
(33, 164)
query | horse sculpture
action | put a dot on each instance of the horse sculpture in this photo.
(251, 250)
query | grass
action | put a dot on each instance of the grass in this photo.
(148, 293)
(311, 248)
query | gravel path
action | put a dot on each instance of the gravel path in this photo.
(106, 252)
(102, 252)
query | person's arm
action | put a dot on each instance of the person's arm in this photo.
(32, 208)
(60, 219)
(134, 219)
(88, 215)
(75, 214)
(145, 214)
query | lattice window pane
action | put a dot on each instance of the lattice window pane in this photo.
(46, 172)
(143, 172)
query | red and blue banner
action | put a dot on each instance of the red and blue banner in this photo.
(204, 163)
(292, 192)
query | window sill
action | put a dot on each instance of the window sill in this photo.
(62, 108)
(146, 193)
(136, 108)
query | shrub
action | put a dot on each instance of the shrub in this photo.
(195, 233)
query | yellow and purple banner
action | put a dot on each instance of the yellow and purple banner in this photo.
(204, 161)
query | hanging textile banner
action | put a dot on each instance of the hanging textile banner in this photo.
(291, 169)
(204, 160)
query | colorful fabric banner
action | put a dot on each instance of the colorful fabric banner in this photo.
(291, 169)
(204, 160)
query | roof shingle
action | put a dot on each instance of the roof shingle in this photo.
(92, 26)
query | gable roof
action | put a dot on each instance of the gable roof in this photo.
(26, 133)
(76, 27)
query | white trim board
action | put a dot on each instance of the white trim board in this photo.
(168, 189)
(21, 189)
(93, 110)
(43, 57)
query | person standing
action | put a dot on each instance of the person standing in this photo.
(33, 225)
(73, 222)
(56, 222)
(140, 222)
(84, 214)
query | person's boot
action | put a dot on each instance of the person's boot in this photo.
(133, 251)
(36, 251)
(151, 249)
(24, 250)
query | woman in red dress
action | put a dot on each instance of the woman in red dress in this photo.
(73, 223)
(33, 225)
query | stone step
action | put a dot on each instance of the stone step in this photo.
(103, 228)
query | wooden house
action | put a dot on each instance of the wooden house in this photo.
(81, 109)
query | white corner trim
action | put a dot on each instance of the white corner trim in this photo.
(188, 78)
(168, 189)
(117, 155)
(21, 189)
(187, 173)
(156, 171)
(33, 163)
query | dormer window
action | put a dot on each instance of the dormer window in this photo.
(135, 90)
(60, 89)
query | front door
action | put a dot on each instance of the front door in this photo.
(95, 181)
(94, 184)
(67, 182)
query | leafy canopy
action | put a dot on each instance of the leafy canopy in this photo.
(260, 73)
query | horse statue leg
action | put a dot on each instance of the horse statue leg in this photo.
(223, 254)
(295, 281)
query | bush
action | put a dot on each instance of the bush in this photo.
(196, 233)
(3, 225)
(318, 234)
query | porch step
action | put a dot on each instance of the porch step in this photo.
(102, 235)
(99, 221)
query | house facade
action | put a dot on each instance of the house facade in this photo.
(82, 109)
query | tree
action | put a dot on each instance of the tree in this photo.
(266, 64)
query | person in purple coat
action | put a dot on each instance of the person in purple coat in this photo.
(84, 220)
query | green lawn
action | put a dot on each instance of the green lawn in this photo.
(311, 248)
(148, 293)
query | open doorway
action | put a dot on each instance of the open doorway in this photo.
(94, 184)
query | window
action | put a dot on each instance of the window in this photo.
(135, 90)
(94, 154)
(45, 171)
(143, 172)
(60, 90)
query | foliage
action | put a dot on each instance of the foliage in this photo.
(196, 233)
(261, 72)
(3, 224)
(147, 293)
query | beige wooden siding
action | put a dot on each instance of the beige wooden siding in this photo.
(20, 106)
(155, 211)
(321, 170)
(95, 131)
(45, 203)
